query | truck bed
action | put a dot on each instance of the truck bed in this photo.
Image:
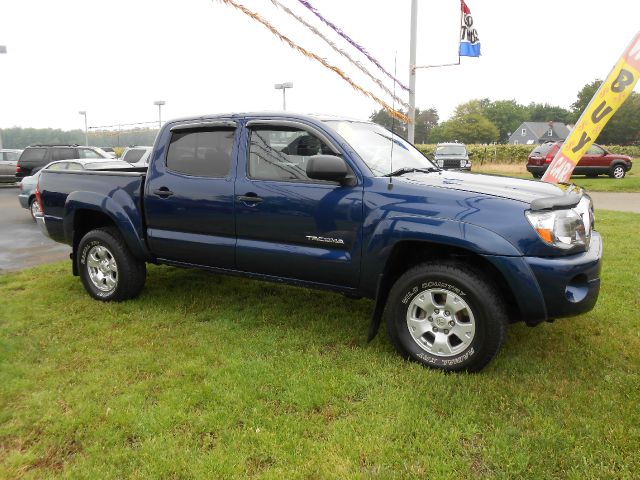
(116, 193)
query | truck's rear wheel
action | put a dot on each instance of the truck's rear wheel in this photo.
(446, 315)
(108, 270)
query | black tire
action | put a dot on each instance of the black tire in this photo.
(617, 171)
(464, 283)
(130, 273)
(537, 175)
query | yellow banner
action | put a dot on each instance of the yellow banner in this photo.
(607, 100)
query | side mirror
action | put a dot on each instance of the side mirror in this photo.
(327, 167)
(469, 154)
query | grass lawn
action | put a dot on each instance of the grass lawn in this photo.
(206, 376)
(602, 183)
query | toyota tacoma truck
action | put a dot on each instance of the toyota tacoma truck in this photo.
(450, 258)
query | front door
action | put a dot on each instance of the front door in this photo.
(189, 197)
(287, 224)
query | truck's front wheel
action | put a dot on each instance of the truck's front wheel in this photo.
(446, 315)
(108, 270)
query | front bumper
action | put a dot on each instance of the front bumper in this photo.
(569, 285)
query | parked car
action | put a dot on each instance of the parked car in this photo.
(8, 162)
(449, 257)
(597, 161)
(137, 155)
(109, 151)
(35, 157)
(452, 156)
(27, 195)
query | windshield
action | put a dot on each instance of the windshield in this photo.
(451, 150)
(374, 145)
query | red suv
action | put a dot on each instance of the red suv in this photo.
(596, 161)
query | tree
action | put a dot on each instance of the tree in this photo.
(469, 124)
(507, 115)
(539, 112)
(425, 121)
(624, 126)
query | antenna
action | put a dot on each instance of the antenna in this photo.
(393, 118)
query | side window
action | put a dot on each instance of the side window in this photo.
(63, 154)
(33, 154)
(202, 153)
(88, 153)
(282, 153)
(595, 150)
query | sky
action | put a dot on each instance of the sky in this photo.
(114, 58)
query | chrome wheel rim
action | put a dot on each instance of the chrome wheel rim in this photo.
(102, 268)
(35, 208)
(618, 172)
(441, 322)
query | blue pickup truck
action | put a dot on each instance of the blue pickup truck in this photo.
(450, 258)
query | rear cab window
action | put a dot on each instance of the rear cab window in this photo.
(203, 152)
(134, 155)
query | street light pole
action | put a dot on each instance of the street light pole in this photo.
(86, 130)
(159, 103)
(412, 71)
(283, 87)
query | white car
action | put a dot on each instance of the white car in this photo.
(137, 155)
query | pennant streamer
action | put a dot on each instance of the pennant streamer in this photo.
(341, 52)
(352, 42)
(315, 57)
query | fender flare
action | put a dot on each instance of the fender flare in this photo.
(119, 207)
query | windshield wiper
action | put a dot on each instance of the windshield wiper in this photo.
(403, 170)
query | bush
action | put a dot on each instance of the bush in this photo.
(516, 154)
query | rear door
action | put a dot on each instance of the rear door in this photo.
(289, 225)
(189, 196)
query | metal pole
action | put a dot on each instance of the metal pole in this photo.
(159, 115)
(284, 99)
(412, 70)
(3, 49)
(86, 130)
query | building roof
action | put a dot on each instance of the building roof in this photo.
(540, 129)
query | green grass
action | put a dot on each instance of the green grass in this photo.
(602, 183)
(206, 376)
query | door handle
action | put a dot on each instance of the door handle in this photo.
(250, 198)
(163, 192)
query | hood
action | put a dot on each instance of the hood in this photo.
(497, 186)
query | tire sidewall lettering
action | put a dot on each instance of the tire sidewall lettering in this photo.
(416, 351)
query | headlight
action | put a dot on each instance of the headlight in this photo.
(564, 228)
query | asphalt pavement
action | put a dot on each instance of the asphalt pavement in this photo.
(22, 245)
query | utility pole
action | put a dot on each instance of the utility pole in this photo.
(412, 71)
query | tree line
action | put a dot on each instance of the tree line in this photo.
(18, 137)
(486, 121)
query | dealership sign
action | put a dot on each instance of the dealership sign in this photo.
(607, 100)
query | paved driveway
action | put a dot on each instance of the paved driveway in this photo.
(623, 201)
(21, 243)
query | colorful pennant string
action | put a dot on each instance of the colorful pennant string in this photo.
(352, 42)
(392, 111)
(341, 52)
